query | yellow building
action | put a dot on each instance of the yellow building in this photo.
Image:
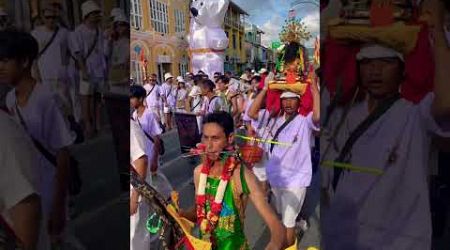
(158, 37)
(235, 56)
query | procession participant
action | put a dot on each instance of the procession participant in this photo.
(253, 127)
(288, 181)
(216, 76)
(221, 219)
(21, 210)
(139, 236)
(168, 100)
(33, 106)
(181, 95)
(148, 130)
(249, 98)
(53, 57)
(228, 74)
(153, 96)
(222, 91)
(119, 55)
(395, 142)
(88, 48)
(189, 81)
(211, 102)
(147, 121)
(195, 101)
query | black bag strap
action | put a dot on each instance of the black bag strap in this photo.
(281, 129)
(196, 105)
(151, 91)
(360, 129)
(91, 49)
(210, 101)
(49, 156)
(48, 43)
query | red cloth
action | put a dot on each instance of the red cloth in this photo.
(340, 63)
(273, 101)
(263, 79)
(306, 102)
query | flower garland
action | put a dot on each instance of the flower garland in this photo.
(208, 221)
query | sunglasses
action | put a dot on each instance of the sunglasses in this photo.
(51, 17)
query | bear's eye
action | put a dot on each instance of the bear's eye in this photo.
(201, 4)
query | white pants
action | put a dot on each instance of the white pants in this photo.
(288, 203)
(140, 238)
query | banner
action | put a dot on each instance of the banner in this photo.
(187, 130)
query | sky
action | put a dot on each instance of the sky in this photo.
(269, 16)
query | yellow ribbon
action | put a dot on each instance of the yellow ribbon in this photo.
(264, 141)
(333, 164)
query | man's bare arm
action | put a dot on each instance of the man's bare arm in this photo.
(257, 196)
(440, 108)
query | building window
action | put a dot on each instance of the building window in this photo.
(137, 71)
(179, 21)
(234, 41)
(183, 68)
(136, 14)
(159, 16)
(240, 43)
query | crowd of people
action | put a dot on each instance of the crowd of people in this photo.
(52, 85)
(226, 107)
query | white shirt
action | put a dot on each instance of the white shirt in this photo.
(83, 38)
(153, 99)
(137, 142)
(19, 177)
(151, 126)
(215, 104)
(51, 61)
(196, 98)
(46, 124)
(120, 51)
(169, 94)
(289, 166)
(181, 97)
(390, 211)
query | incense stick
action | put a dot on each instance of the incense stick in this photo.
(333, 164)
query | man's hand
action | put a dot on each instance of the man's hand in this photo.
(274, 246)
(268, 79)
(154, 167)
(133, 204)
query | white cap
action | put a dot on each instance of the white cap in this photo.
(120, 18)
(244, 77)
(289, 94)
(180, 79)
(89, 7)
(116, 12)
(3, 12)
(262, 71)
(373, 51)
(167, 76)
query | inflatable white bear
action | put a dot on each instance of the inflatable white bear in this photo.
(207, 40)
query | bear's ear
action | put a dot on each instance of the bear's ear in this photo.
(220, 7)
